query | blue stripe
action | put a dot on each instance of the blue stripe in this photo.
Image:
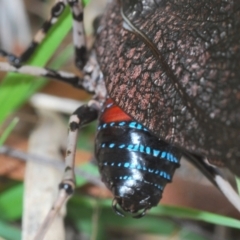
(155, 152)
(121, 123)
(126, 165)
(163, 155)
(134, 125)
(147, 150)
(139, 167)
(142, 148)
(130, 146)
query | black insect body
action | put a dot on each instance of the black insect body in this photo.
(174, 67)
(134, 164)
(172, 71)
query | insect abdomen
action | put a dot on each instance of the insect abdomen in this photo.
(134, 164)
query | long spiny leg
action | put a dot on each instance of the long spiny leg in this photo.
(83, 115)
(91, 73)
(78, 34)
(11, 57)
(78, 30)
(63, 76)
(93, 81)
(56, 12)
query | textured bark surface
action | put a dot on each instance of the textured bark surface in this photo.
(178, 72)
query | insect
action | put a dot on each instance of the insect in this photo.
(170, 69)
(177, 74)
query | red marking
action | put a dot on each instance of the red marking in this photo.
(113, 113)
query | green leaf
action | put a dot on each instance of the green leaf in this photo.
(11, 203)
(193, 214)
(8, 130)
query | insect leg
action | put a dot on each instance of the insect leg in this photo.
(78, 30)
(220, 178)
(56, 12)
(91, 72)
(63, 76)
(78, 33)
(11, 57)
(83, 115)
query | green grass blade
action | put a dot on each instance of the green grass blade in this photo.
(188, 213)
(15, 89)
(11, 203)
(237, 179)
(8, 130)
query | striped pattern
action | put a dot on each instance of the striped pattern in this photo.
(144, 149)
(133, 163)
(139, 167)
(135, 125)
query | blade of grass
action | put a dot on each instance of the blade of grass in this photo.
(188, 213)
(15, 89)
(8, 130)
(11, 203)
(237, 179)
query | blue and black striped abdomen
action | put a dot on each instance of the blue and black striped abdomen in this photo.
(133, 163)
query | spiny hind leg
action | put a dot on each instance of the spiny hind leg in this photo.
(83, 115)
